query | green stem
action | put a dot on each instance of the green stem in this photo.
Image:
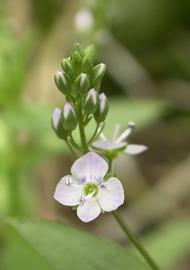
(71, 148)
(135, 241)
(110, 165)
(94, 135)
(81, 128)
(74, 142)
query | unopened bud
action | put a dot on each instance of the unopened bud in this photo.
(102, 110)
(69, 117)
(67, 67)
(62, 81)
(76, 60)
(88, 58)
(57, 126)
(97, 74)
(82, 83)
(78, 48)
(90, 103)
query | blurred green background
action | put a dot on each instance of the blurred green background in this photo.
(146, 47)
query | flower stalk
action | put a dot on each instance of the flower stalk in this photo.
(133, 239)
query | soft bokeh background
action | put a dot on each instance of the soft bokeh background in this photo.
(146, 47)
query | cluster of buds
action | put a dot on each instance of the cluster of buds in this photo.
(80, 82)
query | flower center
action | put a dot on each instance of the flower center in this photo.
(91, 188)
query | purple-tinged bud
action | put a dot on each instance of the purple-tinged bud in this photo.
(57, 126)
(82, 83)
(102, 110)
(62, 81)
(90, 103)
(69, 117)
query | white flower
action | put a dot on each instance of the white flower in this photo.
(118, 143)
(84, 20)
(87, 189)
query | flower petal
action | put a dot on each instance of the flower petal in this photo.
(68, 194)
(126, 133)
(89, 210)
(135, 149)
(108, 145)
(110, 195)
(116, 131)
(90, 167)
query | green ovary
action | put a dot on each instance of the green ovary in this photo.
(91, 188)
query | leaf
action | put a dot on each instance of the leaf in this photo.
(169, 244)
(67, 248)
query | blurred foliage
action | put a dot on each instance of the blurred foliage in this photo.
(81, 251)
(12, 66)
(43, 244)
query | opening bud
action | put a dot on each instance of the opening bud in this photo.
(82, 82)
(102, 110)
(69, 117)
(97, 74)
(56, 122)
(90, 103)
(62, 81)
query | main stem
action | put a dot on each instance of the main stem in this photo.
(81, 128)
(135, 241)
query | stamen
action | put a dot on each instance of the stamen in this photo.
(83, 179)
(68, 181)
(82, 200)
(99, 180)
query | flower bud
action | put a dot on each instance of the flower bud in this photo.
(78, 48)
(102, 110)
(76, 60)
(69, 117)
(67, 67)
(62, 81)
(90, 103)
(57, 126)
(97, 74)
(82, 82)
(88, 58)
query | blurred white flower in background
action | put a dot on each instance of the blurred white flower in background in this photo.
(84, 20)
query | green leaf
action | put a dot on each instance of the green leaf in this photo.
(67, 248)
(169, 244)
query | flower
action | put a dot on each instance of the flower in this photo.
(87, 189)
(84, 20)
(111, 148)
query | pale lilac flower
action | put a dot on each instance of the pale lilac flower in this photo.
(87, 189)
(118, 143)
